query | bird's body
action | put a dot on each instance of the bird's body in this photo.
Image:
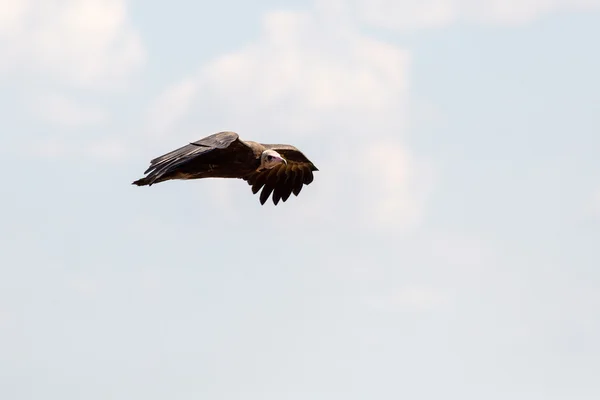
(277, 169)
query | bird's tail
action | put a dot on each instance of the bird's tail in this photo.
(142, 182)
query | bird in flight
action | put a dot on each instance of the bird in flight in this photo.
(278, 169)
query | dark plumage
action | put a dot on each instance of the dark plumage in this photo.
(278, 169)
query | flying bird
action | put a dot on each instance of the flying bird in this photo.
(279, 169)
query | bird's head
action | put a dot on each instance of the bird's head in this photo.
(270, 159)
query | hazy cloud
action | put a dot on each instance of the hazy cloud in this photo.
(106, 149)
(413, 15)
(413, 298)
(88, 43)
(61, 110)
(594, 204)
(173, 103)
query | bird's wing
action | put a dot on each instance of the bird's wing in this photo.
(171, 161)
(284, 179)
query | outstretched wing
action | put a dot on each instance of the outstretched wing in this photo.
(283, 180)
(174, 160)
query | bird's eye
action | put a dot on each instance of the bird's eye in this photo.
(269, 158)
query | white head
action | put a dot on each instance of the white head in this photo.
(270, 159)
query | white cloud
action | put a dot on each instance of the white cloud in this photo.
(406, 15)
(12, 15)
(301, 68)
(88, 43)
(518, 12)
(61, 110)
(338, 95)
(423, 14)
(50, 47)
(309, 69)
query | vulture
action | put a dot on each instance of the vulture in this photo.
(278, 169)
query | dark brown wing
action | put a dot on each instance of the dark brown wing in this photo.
(283, 180)
(218, 146)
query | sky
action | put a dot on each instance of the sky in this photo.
(447, 248)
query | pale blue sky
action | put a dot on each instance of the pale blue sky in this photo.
(447, 248)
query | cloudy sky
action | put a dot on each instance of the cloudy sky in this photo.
(448, 247)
